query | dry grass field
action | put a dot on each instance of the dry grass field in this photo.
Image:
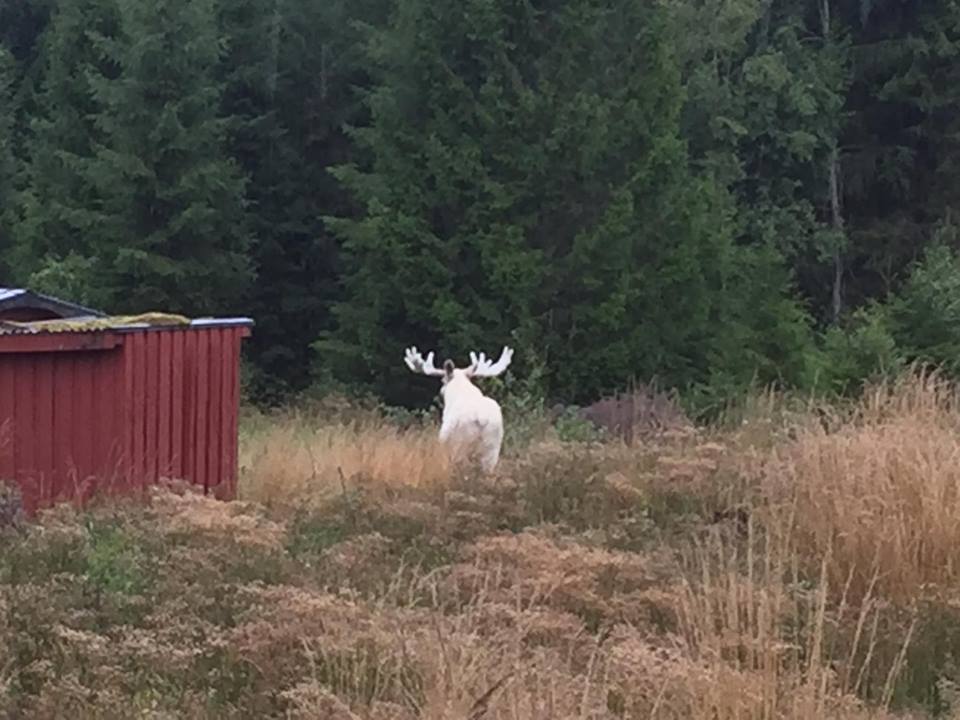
(792, 561)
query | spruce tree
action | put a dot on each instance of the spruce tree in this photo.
(7, 70)
(290, 71)
(525, 182)
(58, 226)
(766, 85)
(174, 216)
(130, 184)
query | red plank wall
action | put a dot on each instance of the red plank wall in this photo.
(60, 422)
(150, 404)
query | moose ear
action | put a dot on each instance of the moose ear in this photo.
(448, 369)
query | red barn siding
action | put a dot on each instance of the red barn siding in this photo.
(62, 425)
(117, 411)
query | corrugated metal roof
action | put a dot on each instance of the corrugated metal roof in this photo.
(22, 296)
(91, 324)
(7, 293)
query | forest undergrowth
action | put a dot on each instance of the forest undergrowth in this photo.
(792, 560)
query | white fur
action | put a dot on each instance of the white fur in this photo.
(471, 420)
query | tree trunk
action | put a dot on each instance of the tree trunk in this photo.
(836, 218)
(836, 211)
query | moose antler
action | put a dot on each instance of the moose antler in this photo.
(417, 364)
(481, 366)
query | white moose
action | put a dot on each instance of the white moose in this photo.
(470, 418)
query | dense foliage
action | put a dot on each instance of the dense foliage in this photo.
(707, 193)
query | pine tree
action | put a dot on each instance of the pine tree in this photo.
(526, 181)
(289, 72)
(926, 84)
(58, 227)
(925, 314)
(130, 185)
(174, 216)
(22, 25)
(764, 114)
(899, 136)
(7, 70)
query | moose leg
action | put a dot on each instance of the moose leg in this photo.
(491, 441)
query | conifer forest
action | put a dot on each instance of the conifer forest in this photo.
(709, 194)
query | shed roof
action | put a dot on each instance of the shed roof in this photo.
(22, 297)
(116, 323)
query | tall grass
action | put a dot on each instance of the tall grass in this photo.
(793, 563)
(881, 492)
(288, 461)
(787, 647)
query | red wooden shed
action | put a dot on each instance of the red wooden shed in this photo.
(116, 404)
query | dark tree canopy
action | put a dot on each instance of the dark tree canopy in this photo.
(705, 193)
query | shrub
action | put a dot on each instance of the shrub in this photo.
(861, 352)
(925, 315)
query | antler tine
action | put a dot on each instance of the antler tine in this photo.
(408, 358)
(417, 364)
(483, 367)
(413, 359)
(429, 368)
(477, 361)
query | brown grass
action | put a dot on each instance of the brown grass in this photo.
(287, 460)
(881, 493)
(792, 564)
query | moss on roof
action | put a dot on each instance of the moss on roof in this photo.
(153, 319)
